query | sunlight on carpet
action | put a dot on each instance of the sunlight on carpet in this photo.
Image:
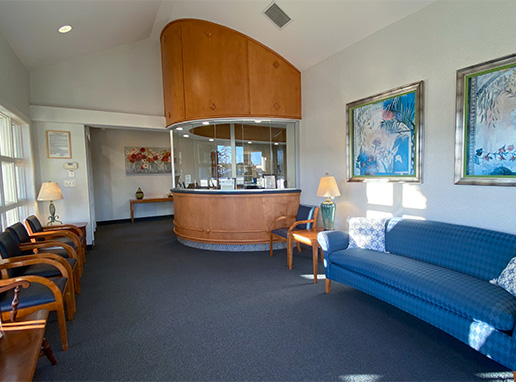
(360, 378)
(311, 277)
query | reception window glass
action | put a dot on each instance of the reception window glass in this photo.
(235, 155)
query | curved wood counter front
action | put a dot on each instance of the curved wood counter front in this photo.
(230, 217)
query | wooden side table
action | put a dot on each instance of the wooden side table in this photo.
(308, 237)
(148, 200)
(21, 345)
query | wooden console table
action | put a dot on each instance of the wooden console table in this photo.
(148, 200)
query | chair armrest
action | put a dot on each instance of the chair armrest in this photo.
(64, 227)
(301, 222)
(57, 234)
(50, 244)
(279, 218)
(22, 261)
(332, 241)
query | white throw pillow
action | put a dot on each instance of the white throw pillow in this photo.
(367, 233)
(507, 279)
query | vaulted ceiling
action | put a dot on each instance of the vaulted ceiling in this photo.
(319, 28)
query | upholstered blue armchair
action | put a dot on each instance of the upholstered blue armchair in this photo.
(305, 219)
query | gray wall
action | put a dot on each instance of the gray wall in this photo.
(429, 45)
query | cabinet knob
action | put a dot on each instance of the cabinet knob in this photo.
(276, 64)
(277, 106)
(213, 106)
(208, 34)
(207, 230)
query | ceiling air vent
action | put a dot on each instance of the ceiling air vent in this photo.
(277, 16)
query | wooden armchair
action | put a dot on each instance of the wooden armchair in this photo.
(26, 341)
(51, 270)
(42, 294)
(28, 245)
(305, 218)
(66, 233)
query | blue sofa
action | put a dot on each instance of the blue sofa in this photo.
(438, 272)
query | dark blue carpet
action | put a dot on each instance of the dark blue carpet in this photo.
(155, 310)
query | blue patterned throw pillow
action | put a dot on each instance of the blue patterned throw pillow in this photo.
(367, 233)
(507, 279)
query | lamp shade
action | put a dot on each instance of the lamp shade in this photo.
(50, 191)
(328, 187)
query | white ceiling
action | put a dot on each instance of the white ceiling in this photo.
(319, 28)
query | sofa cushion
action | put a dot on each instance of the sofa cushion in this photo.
(462, 294)
(507, 279)
(367, 233)
(475, 251)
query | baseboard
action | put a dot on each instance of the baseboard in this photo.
(148, 218)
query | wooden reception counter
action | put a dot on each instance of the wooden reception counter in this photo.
(219, 219)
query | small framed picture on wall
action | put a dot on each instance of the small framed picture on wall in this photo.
(59, 145)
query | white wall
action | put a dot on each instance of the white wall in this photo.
(75, 205)
(125, 79)
(14, 81)
(112, 187)
(429, 45)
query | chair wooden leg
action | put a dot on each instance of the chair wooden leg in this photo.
(70, 300)
(298, 246)
(62, 326)
(328, 286)
(77, 282)
(270, 237)
(514, 375)
(47, 351)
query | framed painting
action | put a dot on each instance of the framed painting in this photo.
(147, 160)
(485, 151)
(385, 135)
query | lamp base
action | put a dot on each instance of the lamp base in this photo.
(53, 217)
(328, 214)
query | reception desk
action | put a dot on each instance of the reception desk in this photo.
(230, 220)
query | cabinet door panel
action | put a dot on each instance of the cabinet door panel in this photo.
(215, 71)
(172, 68)
(275, 85)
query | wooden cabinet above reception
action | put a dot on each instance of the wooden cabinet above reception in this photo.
(210, 71)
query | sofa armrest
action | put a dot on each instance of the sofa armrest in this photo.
(332, 241)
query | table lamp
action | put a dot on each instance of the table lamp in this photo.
(50, 191)
(328, 188)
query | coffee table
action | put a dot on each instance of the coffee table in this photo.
(308, 237)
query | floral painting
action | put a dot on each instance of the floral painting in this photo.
(383, 135)
(487, 123)
(147, 160)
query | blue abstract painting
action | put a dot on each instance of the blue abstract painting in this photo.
(384, 137)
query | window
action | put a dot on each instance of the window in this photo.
(13, 171)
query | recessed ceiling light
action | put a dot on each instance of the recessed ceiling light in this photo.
(276, 143)
(250, 142)
(205, 123)
(258, 121)
(65, 29)
(179, 128)
(185, 135)
(211, 139)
